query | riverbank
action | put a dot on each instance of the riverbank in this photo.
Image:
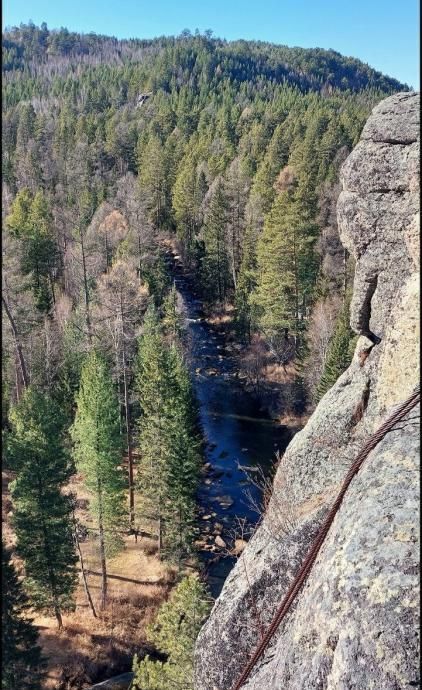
(273, 386)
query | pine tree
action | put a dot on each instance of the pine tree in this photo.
(277, 292)
(331, 141)
(339, 353)
(153, 176)
(120, 302)
(237, 188)
(26, 160)
(98, 454)
(174, 633)
(172, 320)
(168, 465)
(285, 267)
(186, 201)
(155, 275)
(183, 459)
(22, 663)
(30, 221)
(40, 257)
(215, 266)
(26, 125)
(246, 284)
(275, 158)
(42, 518)
(151, 381)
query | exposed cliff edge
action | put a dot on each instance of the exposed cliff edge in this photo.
(355, 622)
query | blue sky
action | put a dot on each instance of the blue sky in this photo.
(383, 33)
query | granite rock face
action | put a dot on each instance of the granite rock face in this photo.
(354, 624)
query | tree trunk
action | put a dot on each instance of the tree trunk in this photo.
(53, 294)
(18, 346)
(17, 379)
(233, 271)
(85, 581)
(58, 617)
(102, 549)
(86, 291)
(160, 535)
(119, 384)
(127, 418)
(129, 446)
(103, 568)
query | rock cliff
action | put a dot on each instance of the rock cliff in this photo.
(354, 624)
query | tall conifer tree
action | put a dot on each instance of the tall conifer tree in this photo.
(245, 286)
(30, 222)
(172, 320)
(183, 457)
(98, 454)
(168, 466)
(186, 201)
(285, 267)
(42, 518)
(215, 267)
(151, 385)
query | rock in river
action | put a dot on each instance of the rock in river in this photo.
(224, 501)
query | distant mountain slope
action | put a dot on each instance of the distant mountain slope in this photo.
(28, 47)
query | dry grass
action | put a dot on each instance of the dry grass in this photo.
(293, 420)
(90, 649)
(225, 316)
(275, 373)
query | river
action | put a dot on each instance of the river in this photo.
(237, 433)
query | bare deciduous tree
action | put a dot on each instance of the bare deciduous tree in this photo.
(320, 330)
(253, 362)
(120, 302)
(277, 511)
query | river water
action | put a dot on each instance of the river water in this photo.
(237, 433)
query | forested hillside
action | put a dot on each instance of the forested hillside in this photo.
(230, 153)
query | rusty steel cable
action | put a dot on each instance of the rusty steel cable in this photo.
(312, 554)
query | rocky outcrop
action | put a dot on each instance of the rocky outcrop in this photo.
(354, 624)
